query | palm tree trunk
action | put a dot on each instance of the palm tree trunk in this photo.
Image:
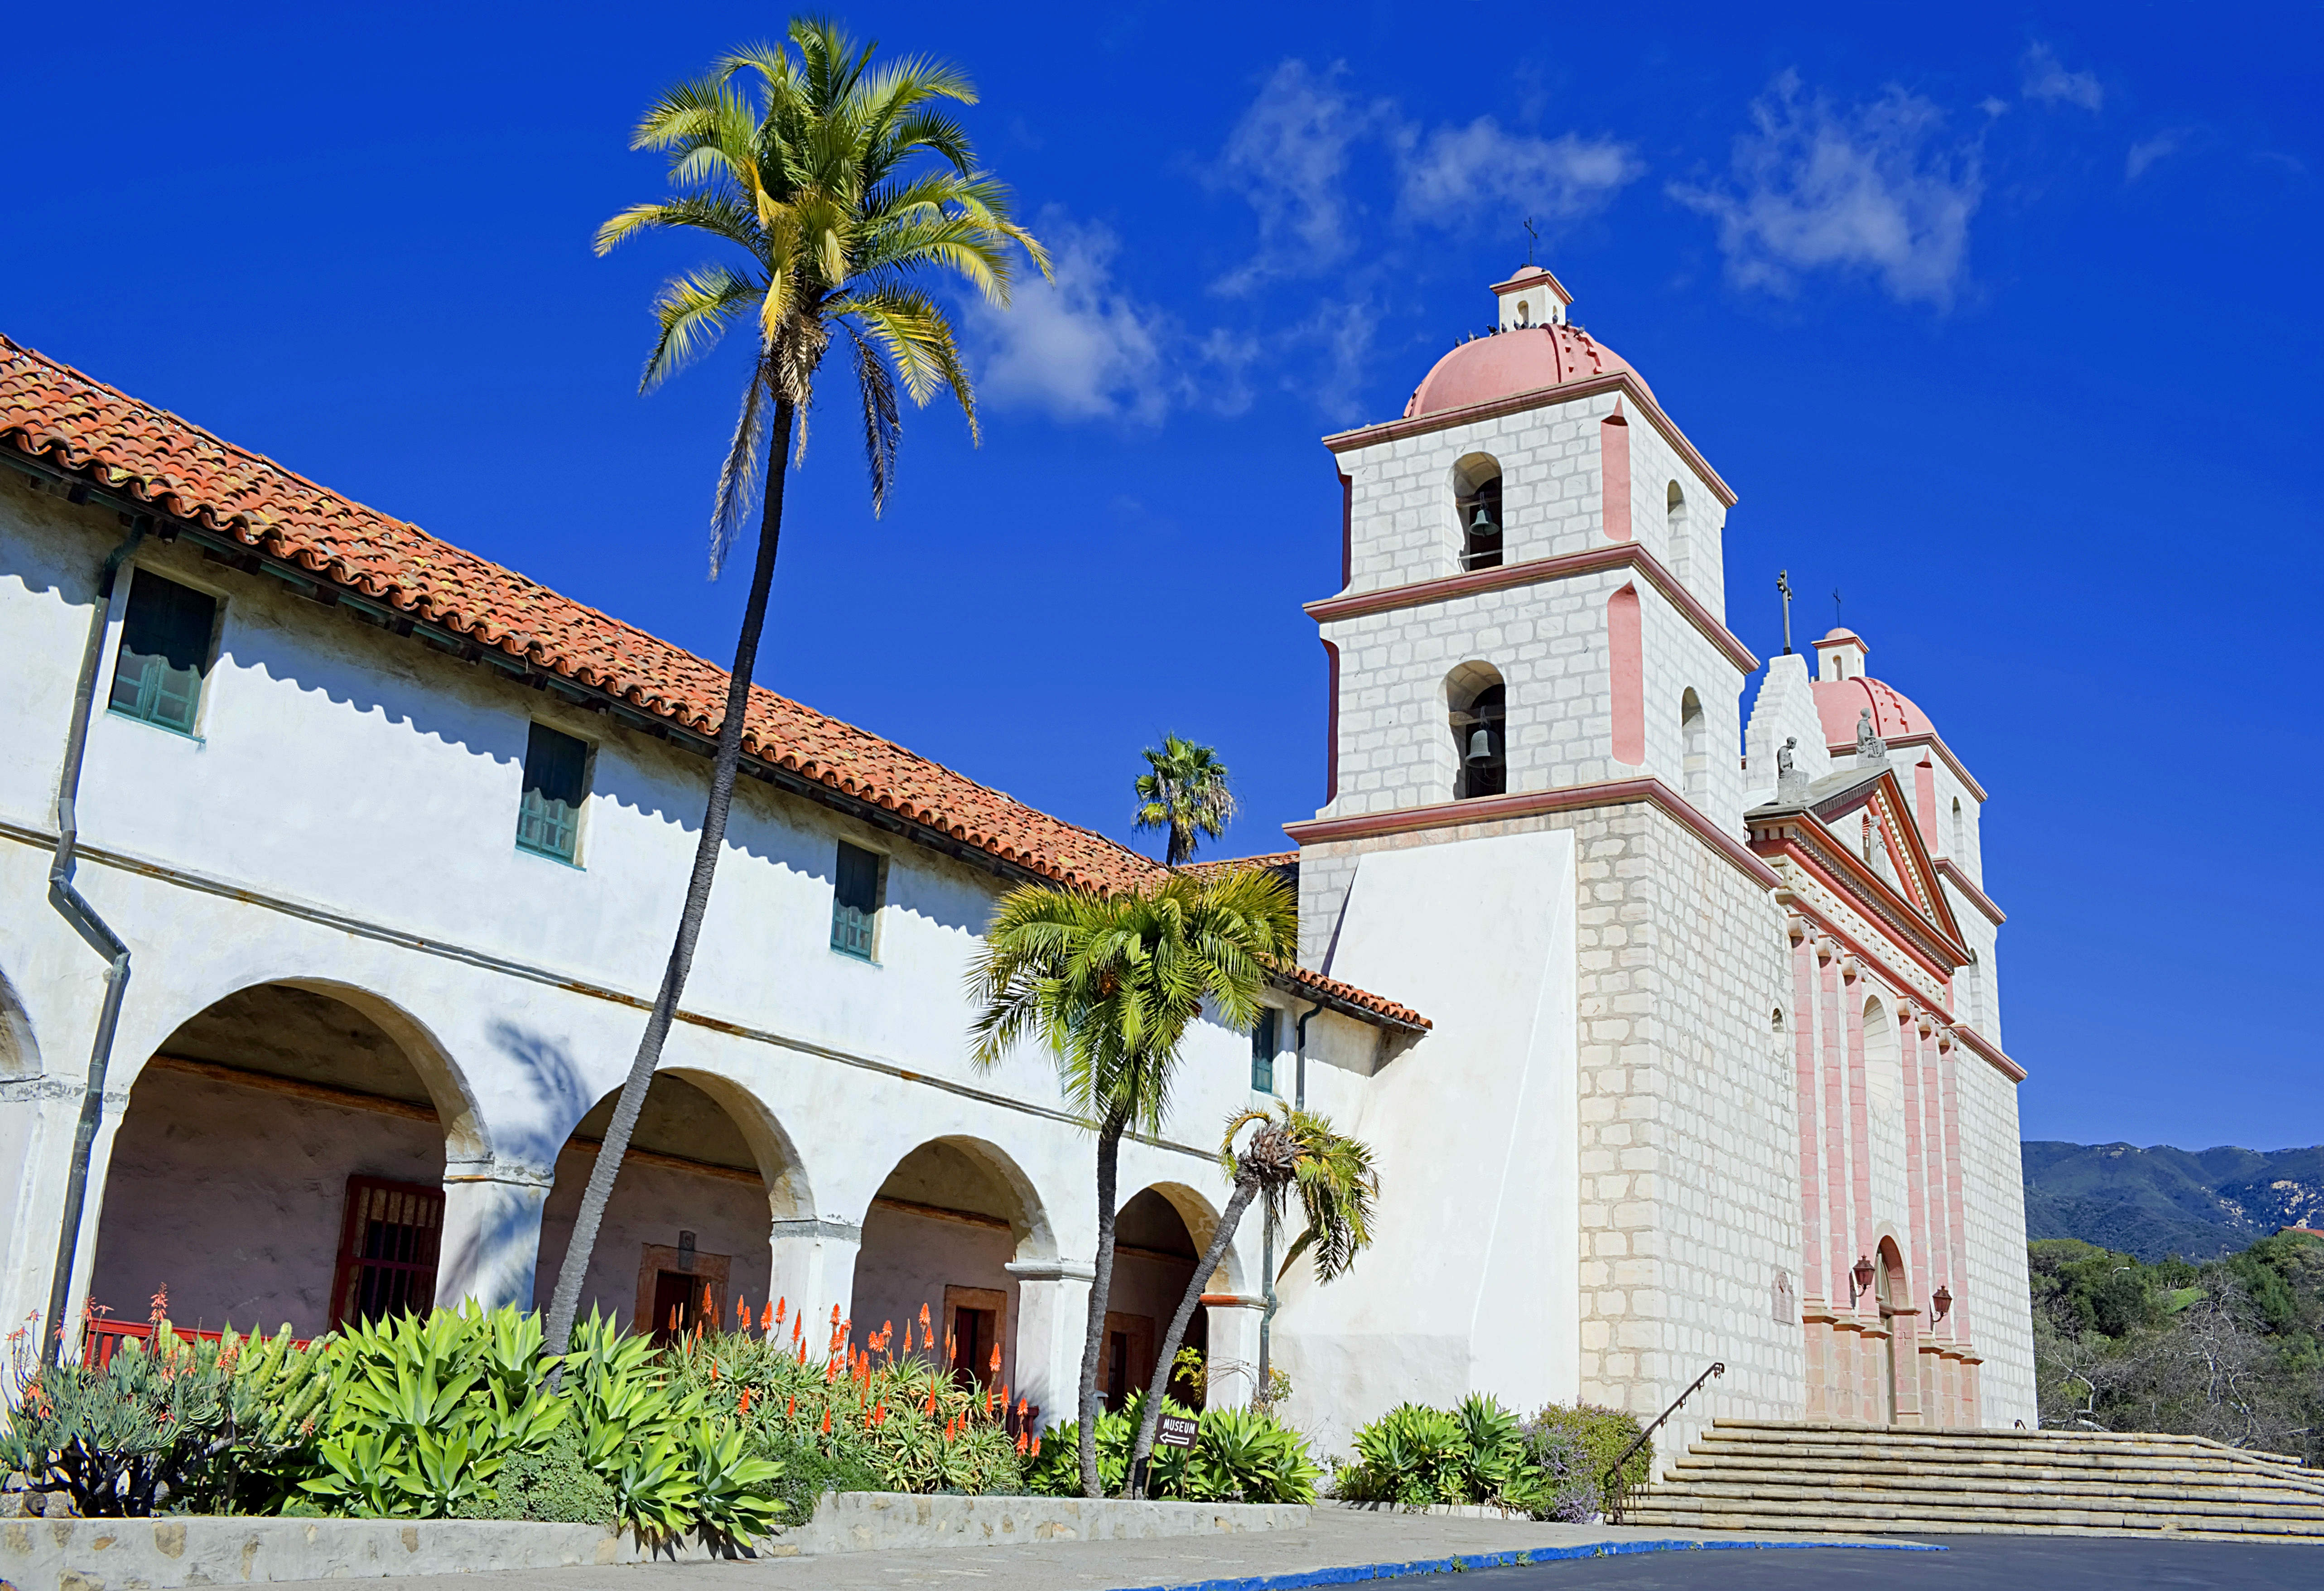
(724, 767)
(1246, 1189)
(1109, 1169)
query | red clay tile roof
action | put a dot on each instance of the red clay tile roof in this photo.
(1274, 861)
(81, 424)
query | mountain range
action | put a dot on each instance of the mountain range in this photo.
(2198, 1204)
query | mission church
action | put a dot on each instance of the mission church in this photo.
(338, 863)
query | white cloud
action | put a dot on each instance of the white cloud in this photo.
(1290, 155)
(1874, 188)
(1287, 156)
(2147, 151)
(2043, 77)
(1448, 173)
(1081, 347)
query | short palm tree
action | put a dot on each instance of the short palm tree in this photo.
(842, 189)
(1185, 792)
(1288, 1152)
(1112, 983)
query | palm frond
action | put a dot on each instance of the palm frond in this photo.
(882, 423)
(738, 477)
(692, 313)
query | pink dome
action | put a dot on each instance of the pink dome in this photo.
(1522, 359)
(1840, 703)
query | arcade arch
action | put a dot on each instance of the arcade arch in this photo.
(687, 1231)
(939, 1237)
(280, 1161)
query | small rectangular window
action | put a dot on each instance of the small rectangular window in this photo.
(555, 783)
(1262, 1052)
(165, 650)
(855, 901)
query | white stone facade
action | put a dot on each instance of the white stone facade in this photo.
(1699, 1036)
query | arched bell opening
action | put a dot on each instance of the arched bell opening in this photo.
(1477, 710)
(1477, 510)
(281, 1162)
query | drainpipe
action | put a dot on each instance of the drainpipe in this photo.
(1266, 1243)
(101, 937)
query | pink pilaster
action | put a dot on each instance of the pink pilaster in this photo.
(1804, 1057)
(1859, 1124)
(1919, 1261)
(1951, 1084)
(1835, 1127)
(1944, 1248)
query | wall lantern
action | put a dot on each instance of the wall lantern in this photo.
(1944, 1303)
(1862, 1275)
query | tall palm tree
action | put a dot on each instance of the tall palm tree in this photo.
(842, 190)
(1290, 1151)
(1185, 792)
(1112, 982)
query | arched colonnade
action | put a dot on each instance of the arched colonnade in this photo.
(301, 1150)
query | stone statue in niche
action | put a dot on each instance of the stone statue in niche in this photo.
(1869, 746)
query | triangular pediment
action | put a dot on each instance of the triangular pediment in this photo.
(1868, 814)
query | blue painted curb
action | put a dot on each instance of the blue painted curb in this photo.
(1461, 1563)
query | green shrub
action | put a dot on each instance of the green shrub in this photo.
(1602, 1434)
(1416, 1457)
(1239, 1456)
(553, 1482)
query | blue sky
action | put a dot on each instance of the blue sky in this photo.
(2006, 329)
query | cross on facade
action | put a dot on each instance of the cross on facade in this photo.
(1836, 622)
(1532, 237)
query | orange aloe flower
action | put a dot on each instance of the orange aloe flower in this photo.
(791, 1405)
(742, 1313)
(1020, 1441)
(995, 1365)
(744, 1407)
(767, 1320)
(924, 1320)
(826, 1422)
(709, 1304)
(713, 1372)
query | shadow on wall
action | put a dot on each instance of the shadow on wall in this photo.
(474, 708)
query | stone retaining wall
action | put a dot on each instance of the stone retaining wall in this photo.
(159, 1554)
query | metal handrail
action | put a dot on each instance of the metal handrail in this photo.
(1609, 1485)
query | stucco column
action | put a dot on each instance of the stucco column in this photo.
(490, 1246)
(1053, 1301)
(813, 1270)
(1233, 1369)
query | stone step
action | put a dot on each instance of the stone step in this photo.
(1856, 1474)
(2124, 1464)
(1843, 1517)
(1778, 1524)
(2016, 1442)
(2177, 1500)
(1789, 1432)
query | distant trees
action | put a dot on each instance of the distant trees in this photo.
(2232, 1349)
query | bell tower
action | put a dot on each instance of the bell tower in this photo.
(1532, 618)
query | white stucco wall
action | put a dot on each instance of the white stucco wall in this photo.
(1471, 1283)
(345, 821)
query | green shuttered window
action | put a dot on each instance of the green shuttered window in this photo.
(165, 650)
(1262, 1052)
(555, 783)
(855, 901)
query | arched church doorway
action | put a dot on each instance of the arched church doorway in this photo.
(687, 1231)
(938, 1239)
(281, 1162)
(1892, 1290)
